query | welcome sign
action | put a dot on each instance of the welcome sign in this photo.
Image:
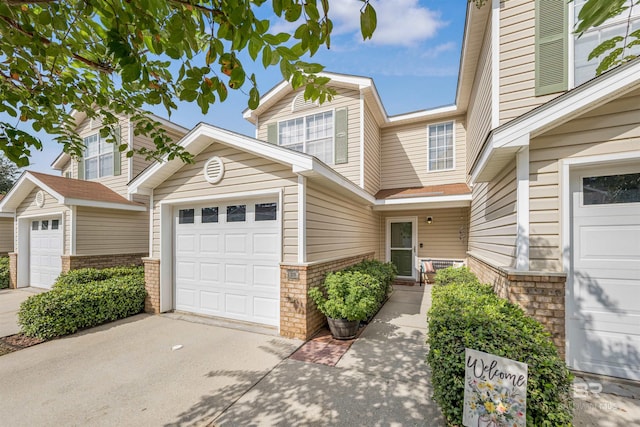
(495, 391)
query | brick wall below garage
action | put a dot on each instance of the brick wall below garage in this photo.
(540, 294)
(299, 316)
(74, 262)
(152, 285)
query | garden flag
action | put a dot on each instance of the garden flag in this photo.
(495, 391)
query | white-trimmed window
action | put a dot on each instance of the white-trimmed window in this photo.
(441, 148)
(584, 69)
(98, 157)
(312, 134)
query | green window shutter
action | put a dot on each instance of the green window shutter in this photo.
(552, 53)
(81, 168)
(341, 132)
(272, 133)
(117, 154)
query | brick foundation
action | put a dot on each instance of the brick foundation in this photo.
(299, 317)
(74, 262)
(152, 285)
(13, 270)
(540, 294)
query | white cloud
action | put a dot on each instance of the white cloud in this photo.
(434, 52)
(400, 22)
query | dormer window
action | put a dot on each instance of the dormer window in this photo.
(312, 134)
(441, 147)
(98, 157)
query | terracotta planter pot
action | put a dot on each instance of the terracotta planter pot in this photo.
(343, 329)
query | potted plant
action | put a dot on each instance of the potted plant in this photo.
(347, 300)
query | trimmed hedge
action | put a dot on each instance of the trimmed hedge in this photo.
(72, 305)
(470, 315)
(384, 273)
(4, 273)
(87, 275)
(449, 275)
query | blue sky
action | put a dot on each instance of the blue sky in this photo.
(413, 59)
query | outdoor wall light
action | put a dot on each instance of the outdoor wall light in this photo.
(429, 220)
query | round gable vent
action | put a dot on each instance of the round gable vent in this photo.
(40, 198)
(214, 170)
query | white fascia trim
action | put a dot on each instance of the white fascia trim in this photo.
(230, 196)
(151, 210)
(465, 43)
(169, 124)
(495, 64)
(328, 173)
(7, 215)
(59, 162)
(248, 113)
(387, 204)
(302, 219)
(489, 149)
(102, 205)
(618, 80)
(225, 137)
(424, 114)
(361, 140)
(522, 210)
(130, 159)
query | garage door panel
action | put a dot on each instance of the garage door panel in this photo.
(609, 242)
(211, 301)
(209, 272)
(236, 274)
(185, 270)
(186, 243)
(237, 304)
(45, 251)
(210, 244)
(265, 276)
(236, 244)
(265, 244)
(185, 298)
(265, 308)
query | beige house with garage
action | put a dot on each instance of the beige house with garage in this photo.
(84, 218)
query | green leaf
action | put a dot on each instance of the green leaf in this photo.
(368, 21)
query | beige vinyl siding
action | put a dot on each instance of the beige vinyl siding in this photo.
(142, 141)
(493, 224)
(6, 235)
(337, 227)
(244, 172)
(479, 113)
(445, 237)
(404, 156)
(70, 167)
(612, 128)
(51, 207)
(517, 60)
(371, 152)
(109, 231)
(343, 98)
(116, 183)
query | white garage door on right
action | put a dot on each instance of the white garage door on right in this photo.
(603, 304)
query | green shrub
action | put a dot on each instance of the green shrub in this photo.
(69, 307)
(350, 295)
(385, 273)
(450, 275)
(87, 275)
(470, 315)
(4, 272)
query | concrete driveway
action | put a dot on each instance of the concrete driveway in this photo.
(10, 300)
(126, 373)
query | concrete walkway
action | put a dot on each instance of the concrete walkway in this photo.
(10, 300)
(382, 380)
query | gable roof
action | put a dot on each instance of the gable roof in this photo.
(367, 88)
(67, 191)
(504, 141)
(59, 162)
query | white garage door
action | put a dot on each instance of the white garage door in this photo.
(45, 250)
(227, 260)
(603, 305)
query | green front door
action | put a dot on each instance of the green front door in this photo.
(401, 246)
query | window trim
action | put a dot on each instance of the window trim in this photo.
(309, 112)
(97, 157)
(453, 143)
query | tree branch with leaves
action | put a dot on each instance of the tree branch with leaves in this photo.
(106, 58)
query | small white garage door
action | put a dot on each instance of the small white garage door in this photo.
(227, 259)
(45, 249)
(603, 309)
